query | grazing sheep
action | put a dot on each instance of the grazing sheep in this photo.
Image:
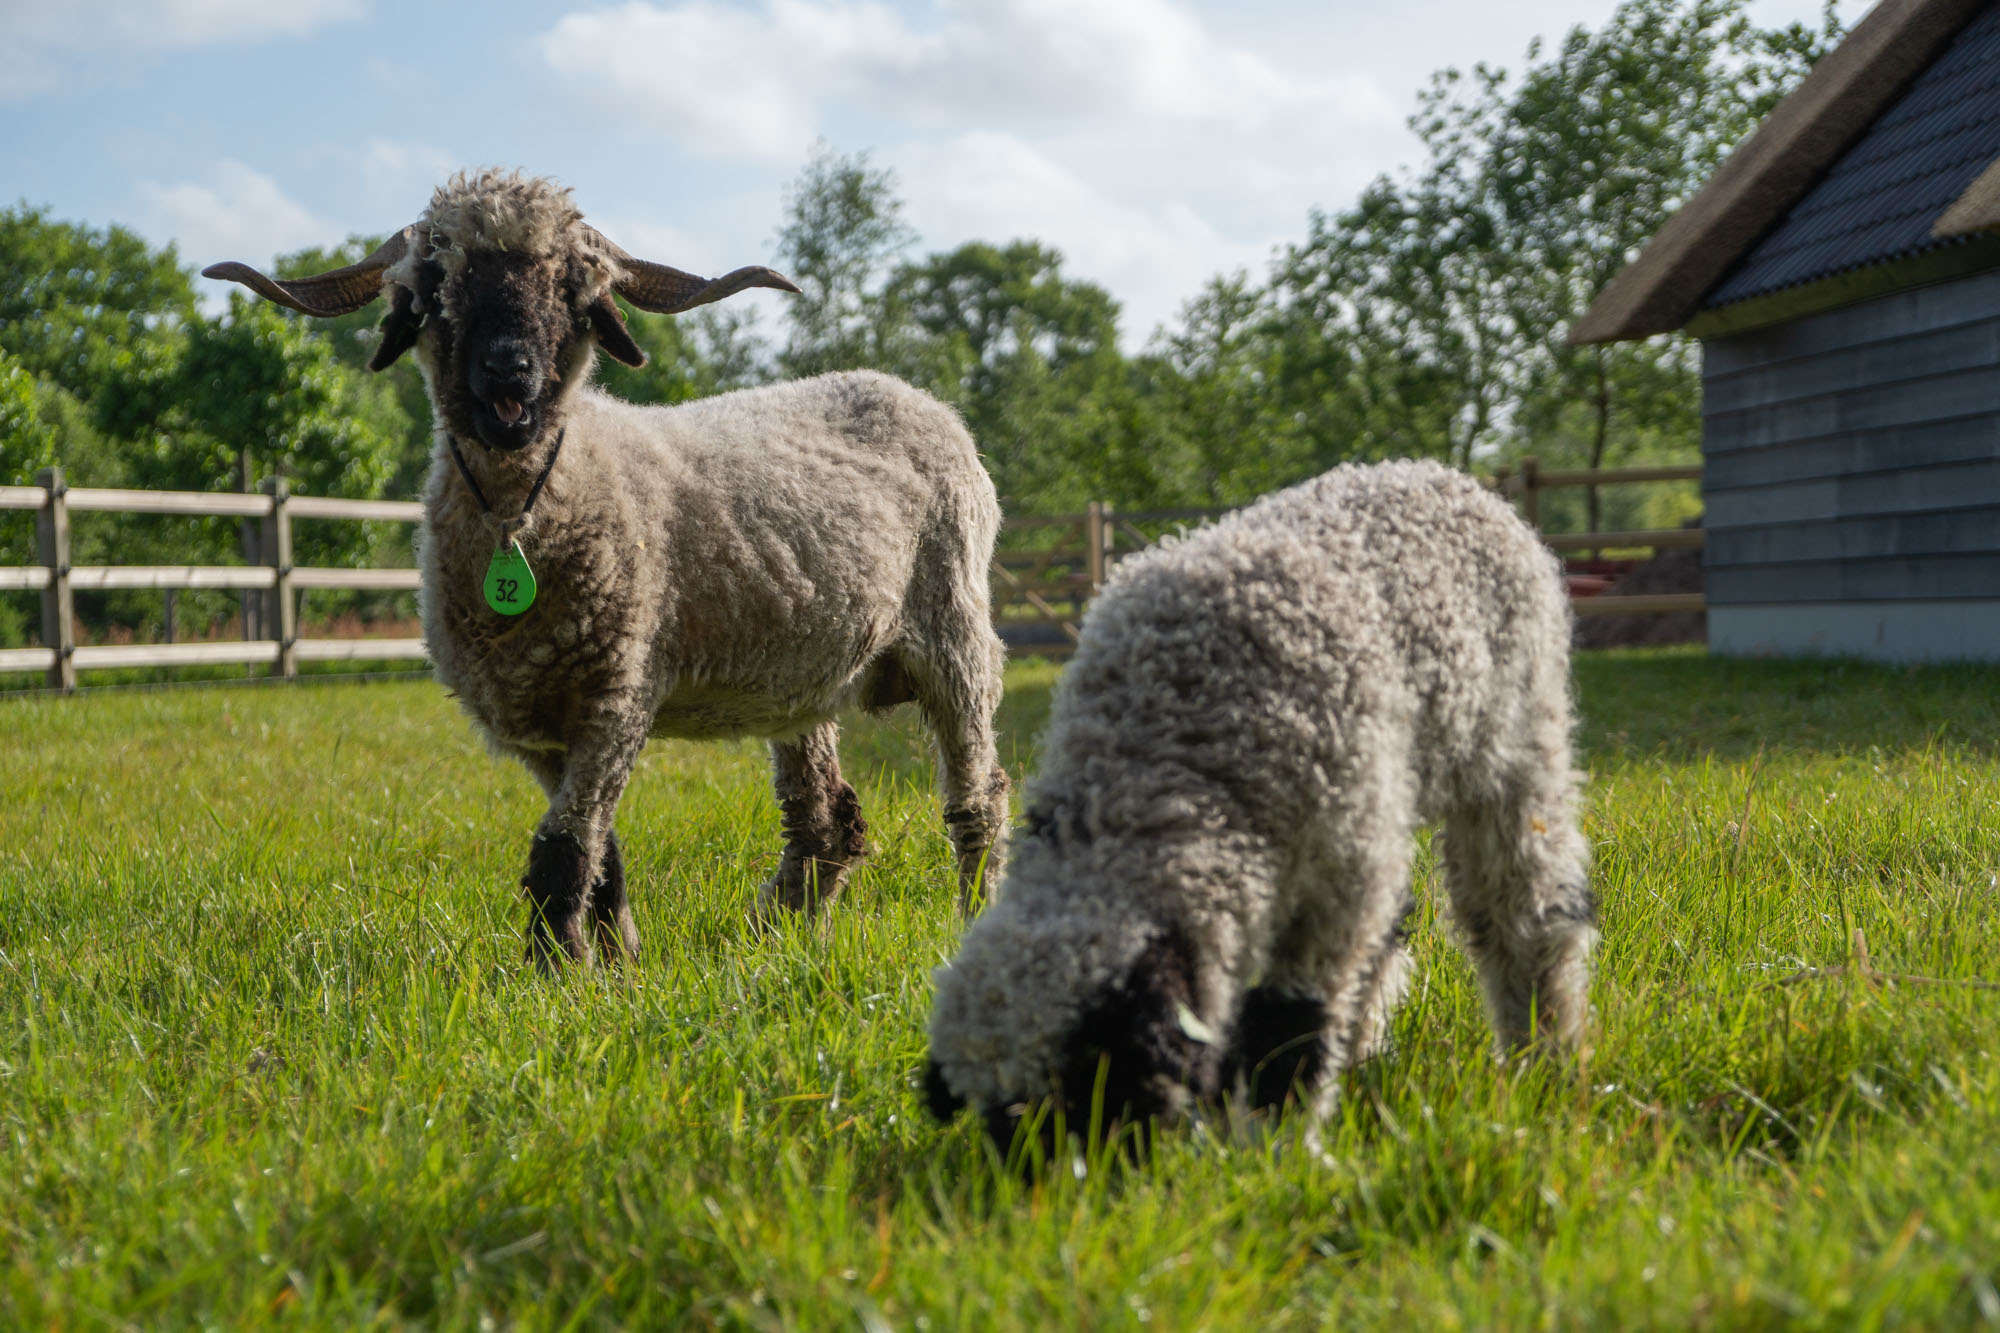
(1210, 890)
(746, 565)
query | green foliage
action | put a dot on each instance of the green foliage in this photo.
(392, 404)
(252, 395)
(1394, 309)
(27, 444)
(277, 1060)
(1437, 307)
(704, 352)
(235, 399)
(27, 441)
(1584, 160)
(1428, 319)
(77, 306)
(842, 230)
(1028, 355)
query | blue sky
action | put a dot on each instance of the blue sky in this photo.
(1154, 142)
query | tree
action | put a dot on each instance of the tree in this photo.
(76, 305)
(1218, 432)
(27, 444)
(253, 394)
(1430, 317)
(27, 441)
(841, 235)
(1392, 321)
(392, 403)
(1028, 355)
(1589, 156)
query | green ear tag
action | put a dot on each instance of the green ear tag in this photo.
(510, 584)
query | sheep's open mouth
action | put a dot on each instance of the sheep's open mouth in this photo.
(503, 422)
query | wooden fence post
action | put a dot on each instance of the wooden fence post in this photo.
(277, 552)
(1096, 540)
(1531, 498)
(58, 608)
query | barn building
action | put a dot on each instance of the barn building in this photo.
(1842, 272)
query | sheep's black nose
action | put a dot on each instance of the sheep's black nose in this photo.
(503, 362)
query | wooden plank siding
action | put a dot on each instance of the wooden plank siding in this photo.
(1852, 464)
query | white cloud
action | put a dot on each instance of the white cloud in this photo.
(42, 41)
(237, 213)
(720, 81)
(1151, 255)
(1043, 59)
(1150, 143)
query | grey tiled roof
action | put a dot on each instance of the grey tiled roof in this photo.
(1880, 199)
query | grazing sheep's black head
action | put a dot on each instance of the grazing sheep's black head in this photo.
(1136, 1054)
(504, 292)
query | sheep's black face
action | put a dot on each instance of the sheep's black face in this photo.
(513, 343)
(1137, 1056)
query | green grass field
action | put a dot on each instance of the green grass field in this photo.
(269, 1056)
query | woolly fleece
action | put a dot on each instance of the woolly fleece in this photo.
(1257, 720)
(746, 565)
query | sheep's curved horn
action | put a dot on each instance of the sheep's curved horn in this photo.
(341, 292)
(668, 291)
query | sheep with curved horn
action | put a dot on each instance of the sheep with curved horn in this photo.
(597, 572)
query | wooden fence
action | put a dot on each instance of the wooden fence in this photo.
(1046, 572)
(1525, 487)
(61, 657)
(1048, 568)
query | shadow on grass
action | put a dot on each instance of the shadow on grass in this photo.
(1682, 702)
(1675, 702)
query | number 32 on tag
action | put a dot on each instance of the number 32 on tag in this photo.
(510, 584)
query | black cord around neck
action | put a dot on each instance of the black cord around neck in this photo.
(479, 495)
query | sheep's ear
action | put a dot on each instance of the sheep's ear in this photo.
(943, 1102)
(609, 324)
(400, 328)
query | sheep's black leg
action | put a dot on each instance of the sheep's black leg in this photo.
(557, 885)
(959, 695)
(1337, 968)
(610, 916)
(1290, 1039)
(824, 831)
(574, 864)
(1520, 893)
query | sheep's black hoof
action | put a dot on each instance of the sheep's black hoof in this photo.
(803, 884)
(617, 938)
(938, 1096)
(610, 916)
(555, 885)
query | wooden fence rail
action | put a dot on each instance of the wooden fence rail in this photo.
(1526, 486)
(1048, 569)
(1040, 588)
(278, 579)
